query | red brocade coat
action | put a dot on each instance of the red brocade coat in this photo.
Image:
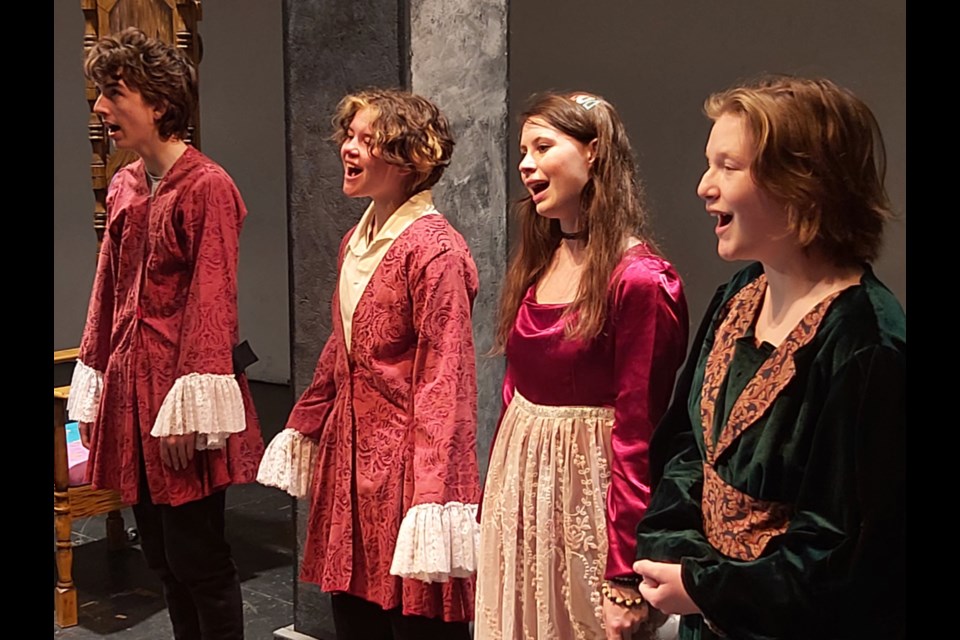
(395, 423)
(156, 353)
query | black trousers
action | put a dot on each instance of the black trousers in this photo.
(358, 619)
(186, 548)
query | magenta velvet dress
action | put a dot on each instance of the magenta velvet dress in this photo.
(568, 478)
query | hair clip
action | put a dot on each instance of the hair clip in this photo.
(587, 102)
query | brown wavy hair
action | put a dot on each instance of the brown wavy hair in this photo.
(408, 131)
(820, 155)
(165, 77)
(611, 210)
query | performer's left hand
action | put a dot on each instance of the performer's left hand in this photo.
(177, 451)
(621, 622)
(663, 587)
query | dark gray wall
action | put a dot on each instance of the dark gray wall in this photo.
(241, 101)
(330, 49)
(657, 61)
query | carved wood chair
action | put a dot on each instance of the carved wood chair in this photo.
(77, 501)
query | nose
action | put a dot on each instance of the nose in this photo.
(98, 107)
(527, 165)
(707, 188)
(349, 146)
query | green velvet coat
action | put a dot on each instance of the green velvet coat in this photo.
(805, 537)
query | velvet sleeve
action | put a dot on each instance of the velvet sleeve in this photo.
(205, 397)
(839, 568)
(439, 534)
(672, 526)
(650, 337)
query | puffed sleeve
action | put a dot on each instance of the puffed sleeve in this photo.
(205, 397)
(650, 327)
(838, 571)
(86, 385)
(439, 534)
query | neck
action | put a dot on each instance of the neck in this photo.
(575, 250)
(163, 155)
(571, 234)
(808, 277)
(385, 207)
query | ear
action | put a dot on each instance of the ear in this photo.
(158, 111)
(592, 151)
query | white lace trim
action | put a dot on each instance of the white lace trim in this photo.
(85, 389)
(207, 404)
(288, 463)
(437, 542)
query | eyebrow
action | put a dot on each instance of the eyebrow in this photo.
(539, 138)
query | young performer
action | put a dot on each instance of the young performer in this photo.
(384, 439)
(169, 423)
(594, 324)
(780, 512)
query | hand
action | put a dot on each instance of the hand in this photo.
(621, 622)
(663, 587)
(177, 451)
(84, 428)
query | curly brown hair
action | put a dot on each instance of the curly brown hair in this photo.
(611, 210)
(161, 73)
(820, 154)
(408, 131)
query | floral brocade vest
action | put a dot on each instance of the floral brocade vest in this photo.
(736, 524)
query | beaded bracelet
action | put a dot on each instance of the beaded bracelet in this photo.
(630, 603)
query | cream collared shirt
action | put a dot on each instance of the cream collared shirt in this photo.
(364, 254)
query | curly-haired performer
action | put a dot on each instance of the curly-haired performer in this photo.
(168, 421)
(385, 436)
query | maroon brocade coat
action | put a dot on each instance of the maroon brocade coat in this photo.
(164, 305)
(396, 421)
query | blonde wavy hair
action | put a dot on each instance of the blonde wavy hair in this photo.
(408, 131)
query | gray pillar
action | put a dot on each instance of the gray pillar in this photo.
(458, 59)
(453, 53)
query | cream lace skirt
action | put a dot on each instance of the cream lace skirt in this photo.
(543, 539)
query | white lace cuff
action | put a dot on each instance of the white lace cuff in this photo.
(207, 404)
(288, 463)
(85, 389)
(437, 542)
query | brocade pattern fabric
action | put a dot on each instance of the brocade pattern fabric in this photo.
(163, 311)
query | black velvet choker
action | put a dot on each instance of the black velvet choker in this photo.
(576, 235)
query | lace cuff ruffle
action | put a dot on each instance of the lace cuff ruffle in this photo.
(288, 463)
(437, 542)
(85, 389)
(207, 404)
